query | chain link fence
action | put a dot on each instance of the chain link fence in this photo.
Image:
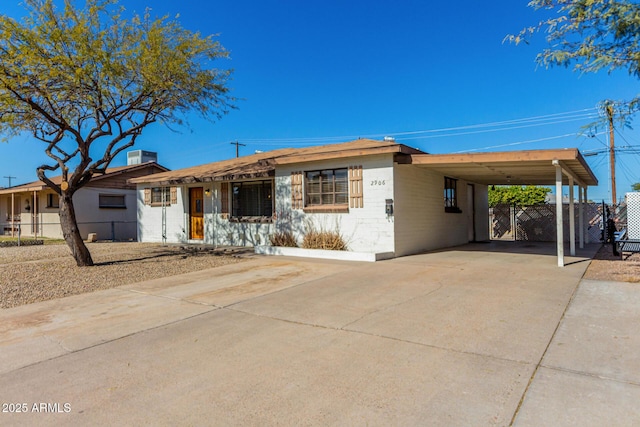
(116, 231)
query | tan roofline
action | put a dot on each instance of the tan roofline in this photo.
(110, 172)
(341, 154)
(263, 164)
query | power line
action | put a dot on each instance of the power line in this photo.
(10, 178)
(486, 130)
(517, 143)
(549, 119)
(237, 144)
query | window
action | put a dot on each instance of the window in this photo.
(450, 195)
(53, 201)
(154, 196)
(327, 187)
(253, 198)
(158, 194)
(111, 201)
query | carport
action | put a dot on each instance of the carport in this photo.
(557, 168)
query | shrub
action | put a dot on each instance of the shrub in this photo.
(321, 239)
(283, 238)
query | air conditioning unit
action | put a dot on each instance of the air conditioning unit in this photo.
(140, 156)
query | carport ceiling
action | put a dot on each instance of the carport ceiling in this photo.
(533, 167)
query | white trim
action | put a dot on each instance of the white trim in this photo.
(559, 231)
(323, 254)
(581, 216)
(586, 199)
(572, 219)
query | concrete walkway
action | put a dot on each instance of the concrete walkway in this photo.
(479, 335)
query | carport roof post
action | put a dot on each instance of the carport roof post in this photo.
(560, 170)
(559, 231)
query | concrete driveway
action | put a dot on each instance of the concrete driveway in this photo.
(480, 335)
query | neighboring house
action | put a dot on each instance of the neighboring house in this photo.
(106, 205)
(383, 197)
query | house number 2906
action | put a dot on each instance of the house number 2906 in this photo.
(377, 182)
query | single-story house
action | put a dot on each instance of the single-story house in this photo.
(105, 206)
(383, 197)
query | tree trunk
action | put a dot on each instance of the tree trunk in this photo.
(71, 233)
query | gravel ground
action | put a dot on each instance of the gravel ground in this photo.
(606, 266)
(37, 273)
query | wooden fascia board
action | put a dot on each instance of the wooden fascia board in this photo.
(567, 170)
(499, 157)
(233, 173)
(586, 168)
(570, 158)
(402, 159)
(212, 178)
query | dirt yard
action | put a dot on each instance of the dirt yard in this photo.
(606, 266)
(37, 273)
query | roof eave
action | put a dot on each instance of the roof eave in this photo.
(343, 154)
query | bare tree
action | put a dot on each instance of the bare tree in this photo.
(87, 81)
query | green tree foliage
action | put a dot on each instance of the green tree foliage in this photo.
(636, 186)
(590, 35)
(519, 195)
(87, 81)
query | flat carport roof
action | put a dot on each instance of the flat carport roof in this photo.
(532, 167)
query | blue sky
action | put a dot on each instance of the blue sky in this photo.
(425, 72)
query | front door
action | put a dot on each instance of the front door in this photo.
(196, 213)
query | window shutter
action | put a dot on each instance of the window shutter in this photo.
(173, 196)
(224, 198)
(147, 196)
(356, 199)
(296, 190)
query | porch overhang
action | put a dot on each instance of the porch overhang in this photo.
(211, 177)
(27, 188)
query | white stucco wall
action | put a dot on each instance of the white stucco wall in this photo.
(421, 221)
(217, 230)
(150, 224)
(418, 223)
(366, 229)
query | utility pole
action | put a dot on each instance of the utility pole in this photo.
(10, 178)
(612, 154)
(237, 144)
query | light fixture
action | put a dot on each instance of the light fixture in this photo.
(207, 192)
